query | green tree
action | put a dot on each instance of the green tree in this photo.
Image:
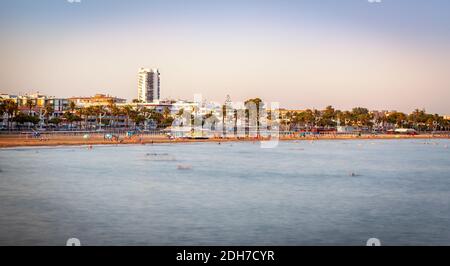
(418, 119)
(327, 117)
(115, 112)
(139, 119)
(127, 110)
(49, 110)
(224, 115)
(235, 118)
(22, 118)
(30, 104)
(361, 117)
(2, 108)
(306, 118)
(34, 119)
(11, 109)
(98, 112)
(55, 121)
(72, 106)
(71, 118)
(397, 118)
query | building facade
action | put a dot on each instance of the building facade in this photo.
(148, 85)
(33, 104)
(96, 100)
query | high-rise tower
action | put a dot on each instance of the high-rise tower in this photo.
(148, 85)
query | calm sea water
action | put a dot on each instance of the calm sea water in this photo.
(301, 193)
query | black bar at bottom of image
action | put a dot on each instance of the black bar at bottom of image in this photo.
(234, 255)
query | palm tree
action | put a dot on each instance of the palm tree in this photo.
(11, 109)
(139, 119)
(70, 117)
(89, 112)
(235, 118)
(224, 114)
(317, 116)
(361, 116)
(381, 120)
(328, 117)
(135, 117)
(127, 110)
(2, 109)
(80, 111)
(416, 118)
(48, 112)
(166, 112)
(72, 106)
(194, 118)
(397, 118)
(55, 121)
(167, 118)
(98, 111)
(30, 104)
(307, 118)
(144, 111)
(287, 120)
(115, 112)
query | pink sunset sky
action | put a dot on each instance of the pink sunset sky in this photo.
(392, 55)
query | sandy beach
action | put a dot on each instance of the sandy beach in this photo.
(17, 140)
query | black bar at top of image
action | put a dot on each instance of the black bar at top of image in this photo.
(169, 255)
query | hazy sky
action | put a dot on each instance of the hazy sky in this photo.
(301, 53)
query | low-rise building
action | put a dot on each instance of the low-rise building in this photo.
(59, 105)
(96, 100)
(345, 129)
(35, 99)
(158, 106)
(35, 103)
(4, 96)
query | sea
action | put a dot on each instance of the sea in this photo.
(326, 192)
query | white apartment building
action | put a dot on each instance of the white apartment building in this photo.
(148, 85)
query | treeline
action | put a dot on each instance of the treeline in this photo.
(86, 117)
(362, 117)
(126, 116)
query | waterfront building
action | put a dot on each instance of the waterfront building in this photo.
(96, 100)
(148, 85)
(159, 106)
(183, 106)
(59, 105)
(34, 103)
(5, 96)
(345, 129)
(36, 99)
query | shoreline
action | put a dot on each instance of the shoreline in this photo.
(14, 141)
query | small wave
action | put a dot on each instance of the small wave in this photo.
(353, 174)
(161, 157)
(184, 167)
(157, 154)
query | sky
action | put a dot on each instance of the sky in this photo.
(393, 55)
